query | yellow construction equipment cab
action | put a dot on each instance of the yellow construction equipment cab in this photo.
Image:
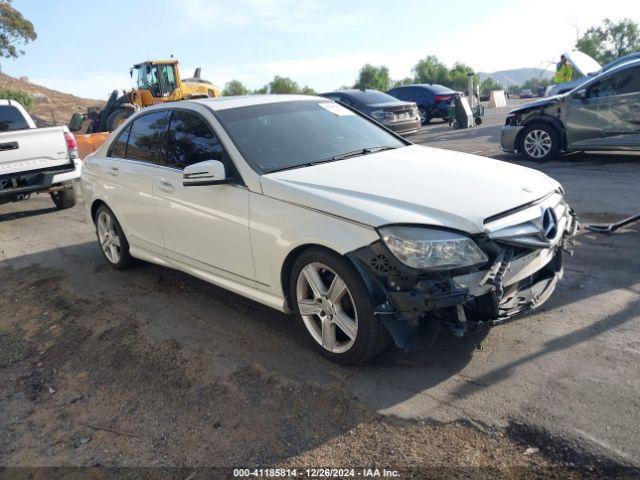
(157, 81)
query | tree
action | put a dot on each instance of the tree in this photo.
(431, 70)
(306, 90)
(283, 85)
(404, 81)
(14, 29)
(261, 91)
(459, 74)
(25, 98)
(488, 85)
(234, 87)
(610, 40)
(373, 77)
(533, 83)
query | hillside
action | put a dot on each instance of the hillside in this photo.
(49, 105)
(516, 76)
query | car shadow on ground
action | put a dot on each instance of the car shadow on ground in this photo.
(236, 331)
(26, 213)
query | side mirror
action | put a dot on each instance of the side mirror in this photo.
(209, 172)
(580, 94)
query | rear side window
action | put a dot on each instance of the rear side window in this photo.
(619, 83)
(146, 137)
(191, 140)
(118, 149)
(11, 119)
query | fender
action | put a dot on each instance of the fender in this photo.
(541, 117)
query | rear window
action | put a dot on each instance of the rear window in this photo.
(439, 89)
(11, 119)
(371, 98)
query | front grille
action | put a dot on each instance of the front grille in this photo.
(540, 225)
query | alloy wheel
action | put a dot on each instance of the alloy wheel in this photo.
(108, 237)
(537, 143)
(423, 115)
(327, 307)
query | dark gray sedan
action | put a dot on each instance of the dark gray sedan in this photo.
(603, 113)
(401, 117)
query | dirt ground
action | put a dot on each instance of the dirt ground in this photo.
(154, 369)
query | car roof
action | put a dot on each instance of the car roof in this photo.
(364, 96)
(224, 103)
(621, 60)
(633, 62)
(431, 86)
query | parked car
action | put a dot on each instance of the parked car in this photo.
(305, 206)
(434, 101)
(526, 93)
(401, 117)
(600, 114)
(35, 160)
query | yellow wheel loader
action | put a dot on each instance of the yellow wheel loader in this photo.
(157, 81)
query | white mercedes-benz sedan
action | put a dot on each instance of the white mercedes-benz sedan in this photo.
(311, 208)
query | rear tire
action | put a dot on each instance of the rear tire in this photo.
(539, 142)
(364, 336)
(111, 239)
(425, 117)
(64, 199)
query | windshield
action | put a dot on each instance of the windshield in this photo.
(279, 136)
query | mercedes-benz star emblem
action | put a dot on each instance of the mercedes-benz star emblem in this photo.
(549, 224)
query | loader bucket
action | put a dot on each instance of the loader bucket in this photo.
(89, 143)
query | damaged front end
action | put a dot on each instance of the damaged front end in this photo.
(524, 249)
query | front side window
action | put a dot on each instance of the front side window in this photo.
(11, 119)
(146, 138)
(283, 135)
(190, 140)
(149, 79)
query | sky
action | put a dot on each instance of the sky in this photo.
(87, 47)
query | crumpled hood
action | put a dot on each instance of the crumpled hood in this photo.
(543, 102)
(414, 184)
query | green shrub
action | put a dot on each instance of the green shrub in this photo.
(18, 95)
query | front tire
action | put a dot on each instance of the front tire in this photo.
(539, 142)
(119, 116)
(64, 199)
(335, 308)
(113, 243)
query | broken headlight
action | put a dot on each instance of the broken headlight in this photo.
(426, 248)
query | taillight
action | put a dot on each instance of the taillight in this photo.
(72, 144)
(383, 115)
(442, 98)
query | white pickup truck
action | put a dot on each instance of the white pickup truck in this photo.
(35, 160)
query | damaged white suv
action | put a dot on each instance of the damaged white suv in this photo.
(309, 207)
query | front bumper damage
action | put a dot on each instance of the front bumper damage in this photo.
(525, 248)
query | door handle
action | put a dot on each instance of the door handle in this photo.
(114, 171)
(165, 186)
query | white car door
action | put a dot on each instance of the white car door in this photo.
(128, 173)
(206, 224)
